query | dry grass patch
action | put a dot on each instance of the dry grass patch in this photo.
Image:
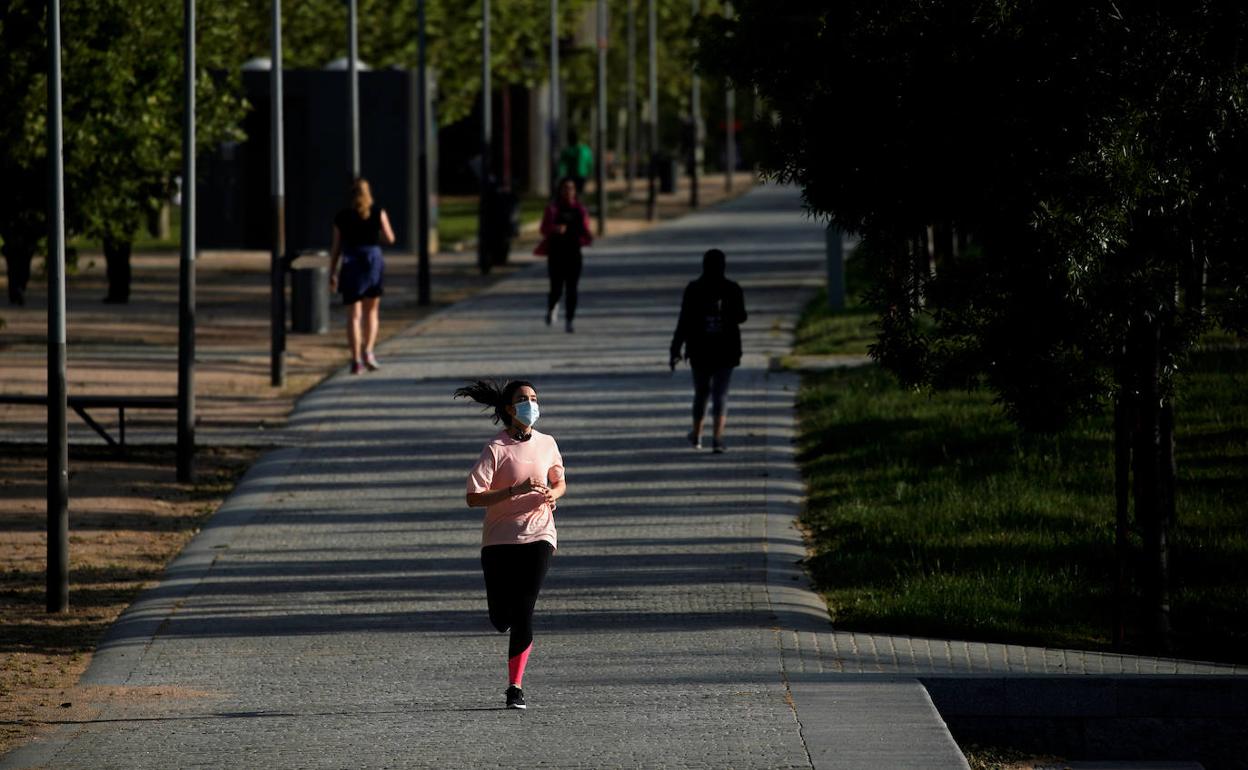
(128, 518)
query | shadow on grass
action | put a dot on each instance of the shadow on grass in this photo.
(932, 515)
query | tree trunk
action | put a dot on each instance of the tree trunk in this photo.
(1148, 487)
(1196, 279)
(942, 245)
(922, 261)
(1169, 468)
(1123, 420)
(117, 266)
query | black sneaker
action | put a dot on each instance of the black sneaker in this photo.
(695, 440)
(718, 447)
(515, 698)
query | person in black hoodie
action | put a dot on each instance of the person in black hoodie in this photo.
(709, 332)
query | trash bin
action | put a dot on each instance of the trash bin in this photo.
(309, 300)
(502, 223)
(668, 170)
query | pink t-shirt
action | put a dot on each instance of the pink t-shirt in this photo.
(523, 518)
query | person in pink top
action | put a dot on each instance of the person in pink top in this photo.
(565, 230)
(517, 479)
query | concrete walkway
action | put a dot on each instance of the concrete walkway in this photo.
(332, 613)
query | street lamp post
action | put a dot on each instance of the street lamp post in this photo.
(601, 177)
(695, 117)
(730, 131)
(632, 95)
(483, 256)
(554, 93)
(730, 123)
(186, 264)
(353, 71)
(58, 441)
(277, 186)
(422, 162)
(653, 112)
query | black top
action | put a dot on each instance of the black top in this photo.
(709, 328)
(569, 241)
(358, 232)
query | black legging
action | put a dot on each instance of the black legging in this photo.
(565, 269)
(513, 579)
(713, 382)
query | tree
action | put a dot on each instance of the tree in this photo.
(24, 192)
(122, 105)
(1044, 192)
(314, 33)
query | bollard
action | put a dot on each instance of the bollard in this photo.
(309, 300)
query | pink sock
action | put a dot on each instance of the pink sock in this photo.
(516, 663)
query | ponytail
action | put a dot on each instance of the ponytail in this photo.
(493, 394)
(360, 197)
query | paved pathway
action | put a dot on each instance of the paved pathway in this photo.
(332, 613)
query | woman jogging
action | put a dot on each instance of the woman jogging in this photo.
(517, 479)
(360, 230)
(711, 315)
(565, 229)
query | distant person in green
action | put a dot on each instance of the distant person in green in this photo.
(576, 162)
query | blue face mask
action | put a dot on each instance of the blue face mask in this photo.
(527, 412)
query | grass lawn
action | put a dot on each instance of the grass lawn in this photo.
(457, 215)
(932, 515)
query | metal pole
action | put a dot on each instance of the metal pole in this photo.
(422, 162)
(730, 123)
(632, 96)
(601, 177)
(695, 116)
(353, 54)
(186, 264)
(653, 113)
(554, 93)
(277, 184)
(58, 441)
(835, 252)
(483, 256)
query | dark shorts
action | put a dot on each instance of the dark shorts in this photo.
(362, 274)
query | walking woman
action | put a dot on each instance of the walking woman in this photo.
(565, 230)
(360, 230)
(709, 330)
(517, 479)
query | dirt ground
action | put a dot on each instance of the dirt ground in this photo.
(128, 518)
(128, 515)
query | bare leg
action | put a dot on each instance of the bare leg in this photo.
(372, 321)
(354, 311)
(719, 427)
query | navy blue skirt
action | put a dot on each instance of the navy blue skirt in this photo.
(361, 273)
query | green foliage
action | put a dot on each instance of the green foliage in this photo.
(1091, 158)
(314, 32)
(457, 216)
(122, 70)
(122, 110)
